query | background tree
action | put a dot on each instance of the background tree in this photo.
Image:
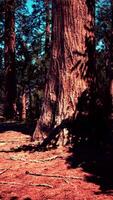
(48, 31)
(1, 52)
(103, 55)
(10, 75)
(103, 28)
(31, 59)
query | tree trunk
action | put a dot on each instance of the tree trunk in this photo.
(72, 36)
(10, 58)
(24, 106)
(47, 37)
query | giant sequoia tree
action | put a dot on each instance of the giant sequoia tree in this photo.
(71, 63)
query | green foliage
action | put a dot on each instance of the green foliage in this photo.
(103, 31)
(31, 61)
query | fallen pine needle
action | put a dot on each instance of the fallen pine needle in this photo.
(31, 184)
(35, 161)
(3, 171)
(9, 183)
(12, 141)
(54, 176)
(43, 185)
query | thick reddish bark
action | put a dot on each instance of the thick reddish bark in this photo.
(71, 31)
(10, 58)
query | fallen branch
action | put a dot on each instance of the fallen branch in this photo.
(54, 176)
(5, 150)
(11, 141)
(66, 181)
(3, 171)
(36, 161)
(42, 185)
(2, 141)
(9, 183)
(35, 185)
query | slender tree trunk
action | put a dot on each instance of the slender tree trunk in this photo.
(24, 106)
(47, 38)
(10, 73)
(67, 75)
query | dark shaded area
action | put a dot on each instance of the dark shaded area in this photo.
(90, 5)
(92, 139)
(25, 148)
(24, 127)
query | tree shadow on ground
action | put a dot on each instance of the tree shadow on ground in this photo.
(24, 127)
(92, 140)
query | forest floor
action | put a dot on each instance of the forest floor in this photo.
(34, 175)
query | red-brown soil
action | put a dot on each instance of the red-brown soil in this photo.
(67, 183)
